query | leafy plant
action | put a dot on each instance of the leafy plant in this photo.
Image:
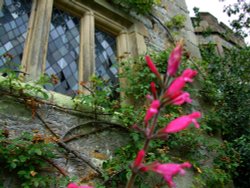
(26, 156)
(227, 90)
(176, 22)
(13, 82)
(139, 6)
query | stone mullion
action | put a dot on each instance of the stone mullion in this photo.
(1, 4)
(87, 47)
(35, 50)
(122, 54)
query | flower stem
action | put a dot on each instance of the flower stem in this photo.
(131, 181)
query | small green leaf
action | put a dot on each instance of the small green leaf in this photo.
(13, 165)
(38, 151)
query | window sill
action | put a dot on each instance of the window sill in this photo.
(54, 98)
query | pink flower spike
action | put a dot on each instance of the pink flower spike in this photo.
(139, 158)
(152, 66)
(175, 59)
(72, 185)
(153, 109)
(153, 89)
(169, 170)
(181, 123)
(182, 98)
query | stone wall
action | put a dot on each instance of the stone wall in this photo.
(100, 137)
(209, 30)
(158, 37)
(97, 143)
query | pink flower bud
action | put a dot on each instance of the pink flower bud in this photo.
(72, 185)
(175, 87)
(168, 170)
(153, 89)
(182, 98)
(139, 158)
(188, 74)
(175, 59)
(153, 109)
(149, 97)
(181, 123)
(152, 66)
(179, 83)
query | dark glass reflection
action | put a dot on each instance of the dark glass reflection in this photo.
(105, 50)
(14, 18)
(63, 52)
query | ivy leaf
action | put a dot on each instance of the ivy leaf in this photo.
(23, 158)
(13, 165)
(38, 151)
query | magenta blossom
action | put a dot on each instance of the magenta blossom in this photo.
(178, 84)
(182, 98)
(153, 109)
(73, 185)
(175, 59)
(152, 66)
(168, 170)
(139, 158)
(153, 89)
(188, 74)
(181, 123)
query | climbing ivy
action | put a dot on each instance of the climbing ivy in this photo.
(139, 6)
(226, 88)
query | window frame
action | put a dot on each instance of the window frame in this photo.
(96, 13)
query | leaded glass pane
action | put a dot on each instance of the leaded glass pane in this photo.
(105, 50)
(63, 52)
(14, 18)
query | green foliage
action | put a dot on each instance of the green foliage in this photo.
(101, 98)
(242, 145)
(138, 76)
(197, 18)
(13, 82)
(227, 90)
(240, 11)
(25, 156)
(176, 22)
(139, 6)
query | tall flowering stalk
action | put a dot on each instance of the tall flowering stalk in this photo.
(170, 93)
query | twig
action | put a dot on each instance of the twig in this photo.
(46, 125)
(81, 156)
(85, 134)
(110, 125)
(60, 169)
(166, 29)
(111, 177)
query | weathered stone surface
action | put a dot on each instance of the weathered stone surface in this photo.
(98, 142)
(209, 30)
